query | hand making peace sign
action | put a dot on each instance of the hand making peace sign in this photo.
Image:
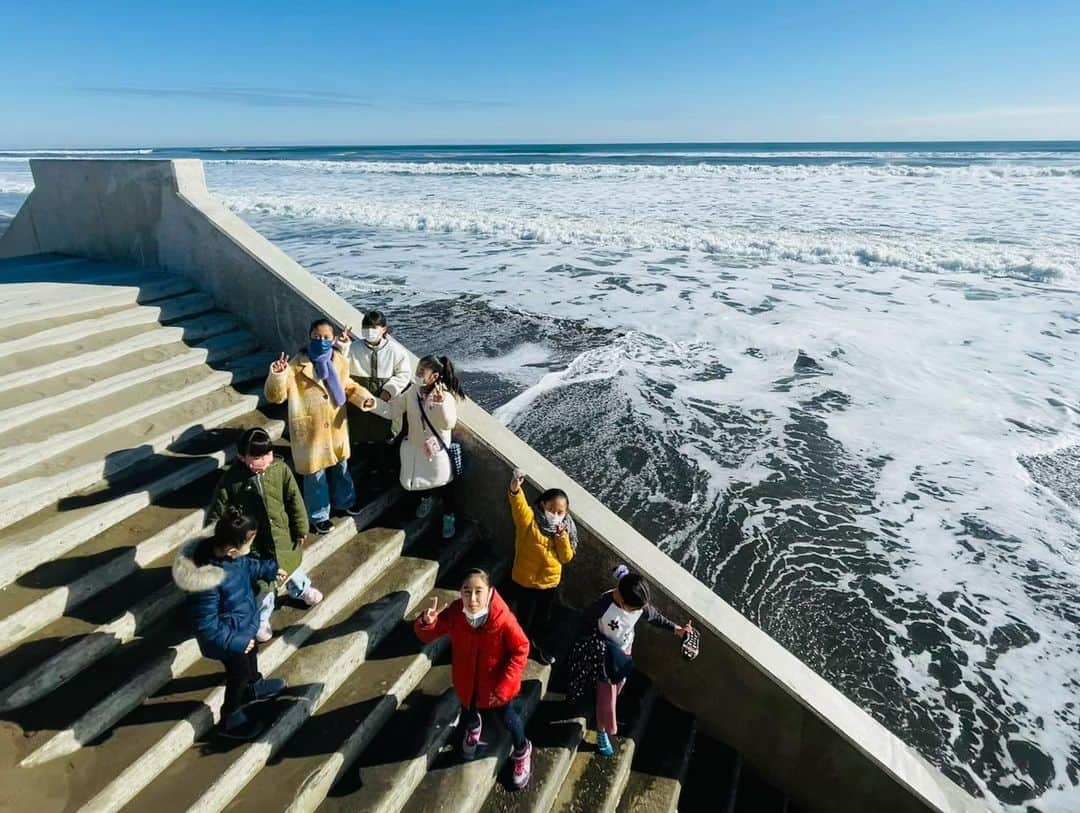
(281, 365)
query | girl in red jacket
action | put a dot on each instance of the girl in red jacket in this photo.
(488, 653)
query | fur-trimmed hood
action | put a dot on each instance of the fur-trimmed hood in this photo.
(193, 578)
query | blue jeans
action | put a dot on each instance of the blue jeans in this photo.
(331, 486)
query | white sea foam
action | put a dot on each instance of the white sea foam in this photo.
(733, 172)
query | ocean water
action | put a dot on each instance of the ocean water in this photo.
(839, 383)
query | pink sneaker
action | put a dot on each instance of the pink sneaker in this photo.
(265, 633)
(470, 743)
(522, 764)
(311, 597)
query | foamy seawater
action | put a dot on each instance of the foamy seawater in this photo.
(838, 383)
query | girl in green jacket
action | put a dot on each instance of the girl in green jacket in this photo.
(262, 486)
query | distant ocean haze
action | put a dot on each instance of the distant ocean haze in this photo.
(837, 382)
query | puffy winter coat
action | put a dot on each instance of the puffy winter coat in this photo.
(538, 558)
(486, 662)
(418, 471)
(221, 599)
(273, 498)
(389, 363)
(318, 430)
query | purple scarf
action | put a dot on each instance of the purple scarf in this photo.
(324, 371)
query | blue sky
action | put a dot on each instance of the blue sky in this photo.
(145, 74)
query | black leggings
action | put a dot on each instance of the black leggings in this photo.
(532, 607)
(508, 715)
(444, 493)
(240, 672)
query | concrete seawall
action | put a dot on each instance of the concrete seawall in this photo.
(791, 725)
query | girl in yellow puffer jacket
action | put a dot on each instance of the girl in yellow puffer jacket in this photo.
(545, 539)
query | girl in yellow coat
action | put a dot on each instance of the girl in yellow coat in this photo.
(316, 384)
(545, 539)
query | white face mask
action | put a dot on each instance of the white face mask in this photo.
(418, 380)
(554, 519)
(371, 335)
(477, 618)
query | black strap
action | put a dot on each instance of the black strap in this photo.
(427, 420)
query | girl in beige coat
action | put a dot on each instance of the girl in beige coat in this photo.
(316, 384)
(425, 465)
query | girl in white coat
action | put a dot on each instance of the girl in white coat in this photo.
(425, 464)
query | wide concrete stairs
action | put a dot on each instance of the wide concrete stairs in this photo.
(123, 393)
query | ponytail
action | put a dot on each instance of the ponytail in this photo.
(447, 374)
(233, 528)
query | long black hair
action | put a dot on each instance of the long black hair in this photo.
(445, 368)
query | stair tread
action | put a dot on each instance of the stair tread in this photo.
(60, 304)
(660, 762)
(594, 783)
(453, 784)
(61, 526)
(116, 541)
(328, 742)
(159, 713)
(121, 369)
(136, 396)
(110, 456)
(402, 749)
(377, 609)
(15, 369)
(161, 312)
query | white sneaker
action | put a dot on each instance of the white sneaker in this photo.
(425, 507)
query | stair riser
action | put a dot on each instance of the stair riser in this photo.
(319, 782)
(179, 308)
(340, 659)
(199, 330)
(184, 734)
(177, 660)
(20, 501)
(56, 603)
(23, 555)
(109, 297)
(18, 458)
(20, 415)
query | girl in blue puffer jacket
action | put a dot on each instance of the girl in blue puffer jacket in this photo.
(218, 576)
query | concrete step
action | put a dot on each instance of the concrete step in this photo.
(660, 762)
(158, 731)
(712, 777)
(323, 751)
(164, 311)
(210, 402)
(59, 528)
(101, 348)
(397, 759)
(39, 398)
(54, 588)
(328, 744)
(169, 662)
(595, 783)
(453, 785)
(207, 782)
(61, 303)
(555, 730)
(44, 439)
